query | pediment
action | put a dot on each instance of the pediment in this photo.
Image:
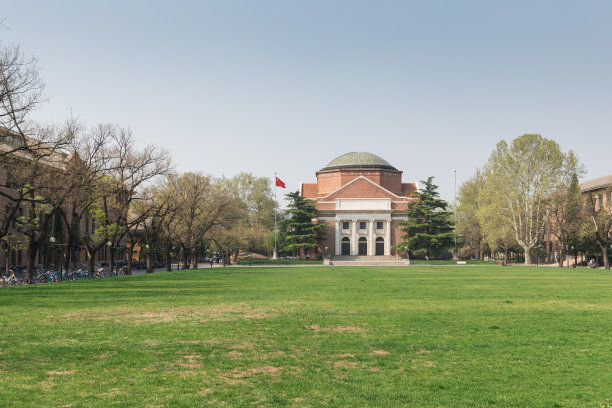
(361, 187)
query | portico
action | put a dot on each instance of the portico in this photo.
(375, 228)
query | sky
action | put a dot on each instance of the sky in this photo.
(287, 86)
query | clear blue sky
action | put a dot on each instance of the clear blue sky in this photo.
(287, 86)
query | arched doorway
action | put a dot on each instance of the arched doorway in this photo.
(380, 246)
(346, 246)
(363, 246)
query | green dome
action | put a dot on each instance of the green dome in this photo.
(358, 160)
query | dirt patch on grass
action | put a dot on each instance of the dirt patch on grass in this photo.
(346, 365)
(67, 372)
(272, 354)
(243, 346)
(251, 372)
(105, 355)
(222, 312)
(379, 353)
(423, 351)
(336, 329)
(344, 355)
(152, 343)
(150, 317)
(234, 355)
(191, 361)
(228, 313)
(351, 329)
(113, 392)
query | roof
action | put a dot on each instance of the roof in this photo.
(359, 160)
(596, 184)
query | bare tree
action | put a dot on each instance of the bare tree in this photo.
(21, 92)
(130, 171)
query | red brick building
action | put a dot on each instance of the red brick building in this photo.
(362, 198)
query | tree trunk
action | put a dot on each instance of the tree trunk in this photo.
(168, 259)
(604, 250)
(149, 263)
(575, 259)
(130, 256)
(561, 256)
(7, 264)
(90, 262)
(527, 250)
(111, 260)
(31, 253)
(185, 256)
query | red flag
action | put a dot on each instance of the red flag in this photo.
(279, 183)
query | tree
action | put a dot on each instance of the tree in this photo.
(201, 203)
(566, 216)
(468, 224)
(519, 182)
(21, 92)
(301, 234)
(428, 229)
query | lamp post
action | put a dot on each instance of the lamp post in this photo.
(456, 252)
(147, 247)
(61, 266)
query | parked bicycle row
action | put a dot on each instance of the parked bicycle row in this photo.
(18, 277)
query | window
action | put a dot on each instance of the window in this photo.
(379, 225)
(362, 225)
(345, 225)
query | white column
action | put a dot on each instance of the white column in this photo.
(354, 246)
(371, 245)
(338, 233)
(387, 237)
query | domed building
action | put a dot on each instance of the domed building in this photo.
(362, 198)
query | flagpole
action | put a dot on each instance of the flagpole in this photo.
(275, 254)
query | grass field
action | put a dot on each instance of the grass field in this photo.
(310, 337)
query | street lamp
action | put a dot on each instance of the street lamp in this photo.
(61, 266)
(148, 258)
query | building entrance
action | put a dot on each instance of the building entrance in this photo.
(380, 246)
(363, 246)
(346, 246)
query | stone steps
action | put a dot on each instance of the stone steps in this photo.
(389, 260)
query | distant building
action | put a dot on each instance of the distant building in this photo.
(600, 189)
(362, 198)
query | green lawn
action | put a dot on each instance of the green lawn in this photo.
(311, 336)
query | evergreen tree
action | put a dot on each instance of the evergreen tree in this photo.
(301, 233)
(428, 229)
